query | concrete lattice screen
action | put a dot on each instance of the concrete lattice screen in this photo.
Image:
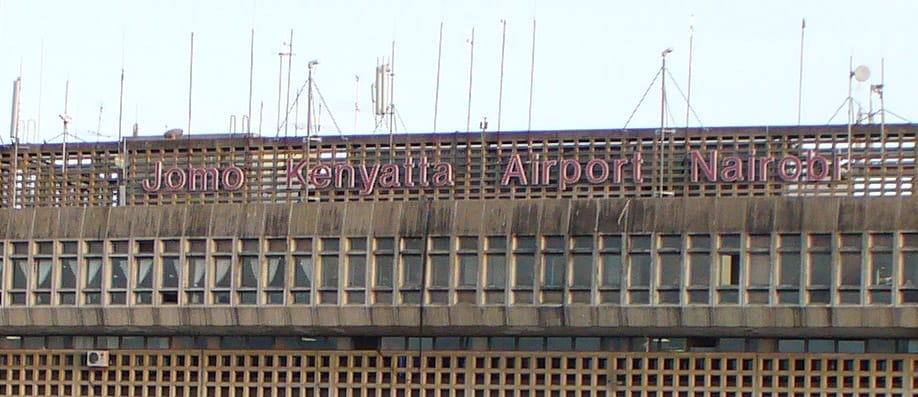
(877, 162)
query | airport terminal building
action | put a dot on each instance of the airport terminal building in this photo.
(741, 261)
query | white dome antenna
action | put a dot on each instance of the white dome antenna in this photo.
(861, 73)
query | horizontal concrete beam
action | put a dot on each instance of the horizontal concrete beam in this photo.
(572, 320)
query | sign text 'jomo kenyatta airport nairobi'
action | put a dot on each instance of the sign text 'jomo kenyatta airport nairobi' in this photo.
(534, 171)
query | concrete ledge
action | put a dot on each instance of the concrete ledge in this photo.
(696, 316)
(579, 316)
(522, 316)
(762, 321)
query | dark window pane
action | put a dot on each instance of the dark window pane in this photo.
(249, 272)
(497, 270)
(356, 271)
(524, 270)
(583, 270)
(553, 271)
(170, 273)
(639, 270)
(611, 270)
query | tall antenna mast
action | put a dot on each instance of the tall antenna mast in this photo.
(309, 100)
(437, 89)
(190, 80)
(500, 94)
(14, 113)
(121, 103)
(248, 123)
(662, 113)
(880, 93)
(688, 96)
(800, 78)
(531, 74)
(41, 83)
(356, 100)
(392, 91)
(289, 66)
(468, 116)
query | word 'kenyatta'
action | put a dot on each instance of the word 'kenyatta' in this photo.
(533, 171)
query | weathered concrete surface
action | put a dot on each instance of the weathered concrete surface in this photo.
(488, 218)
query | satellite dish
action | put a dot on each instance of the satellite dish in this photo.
(861, 73)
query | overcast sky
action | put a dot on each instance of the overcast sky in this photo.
(593, 62)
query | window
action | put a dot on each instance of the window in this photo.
(92, 283)
(728, 269)
(275, 279)
(440, 269)
(222, 272)
(495, 263)
(302, 271)
(20, 281)
(880, 268)
(582, 269)
(43, 269)
(383, 269)
(248, 268)
(850, 255)
(196, 279)
(699, 263)
(669, 272)
(554, 269)
(467, 281)
(909, 281)
(356, 270)
(118, 281)
(819, 257)
(67, 273)
(411, 269)
(610, 260)
(143, 281)
(524, 255)
(758, 257)
(328, 270)
(789, 269)
(639, 268)
(222, 279)
(169, 280)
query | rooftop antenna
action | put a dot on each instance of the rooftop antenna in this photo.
(879, 91)
(248, 124)
(121, 103)
(66, 119)
(309, 102)
(688, 96)
(356, 100)
(800, 77)
(437, 89)
(280, 77)
(500, 94)
(289, 66)
(190, 80)
(663, 55)
(391, 92)
(41, 83)
(381, 92)
(14, 113)
(468, 116)
(531, 75)
(861, 74)
(14, 137)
